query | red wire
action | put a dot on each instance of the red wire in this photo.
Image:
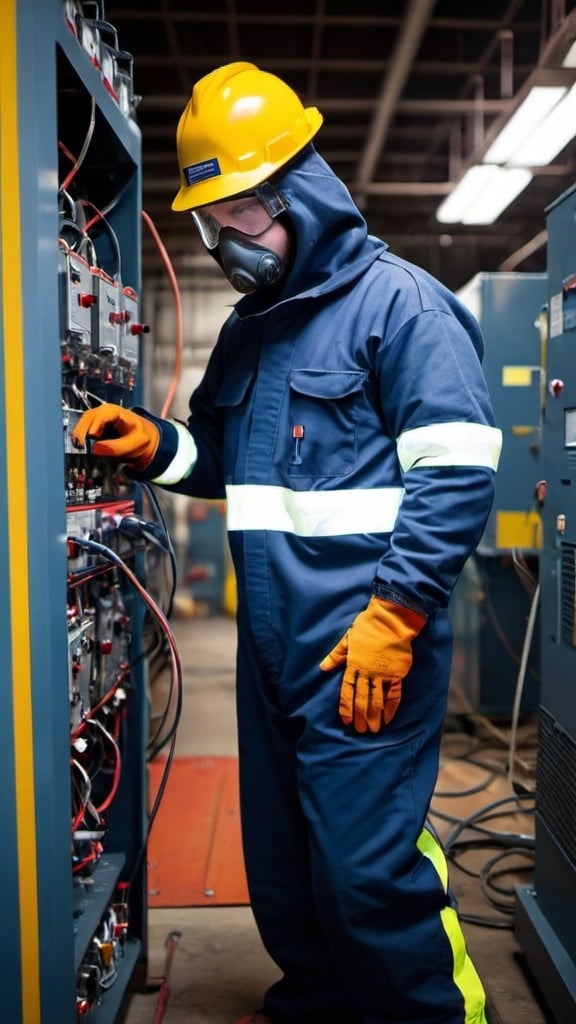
(103, 700)
(79, 817)
(69, 177)
(94, 220)
(179, 318)
(67, 152)
(87, 860)
(115, 778)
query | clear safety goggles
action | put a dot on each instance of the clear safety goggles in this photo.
(252, 213)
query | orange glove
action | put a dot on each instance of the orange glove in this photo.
(377, 654)
(129, 437)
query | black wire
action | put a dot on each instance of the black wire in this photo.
(485, 877)
(488, 817)
(154, 745)
(486, 922)
(503, 836)
(490, 843)
(500, 770)
(153, 498)
(483, 814)
(467, 792)
(444, 816)
(67, 223)
(462, 867)
(508, 890)
(154, 810)
(513, 843)
(487, 883)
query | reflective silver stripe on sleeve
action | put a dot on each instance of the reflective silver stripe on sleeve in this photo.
(312, 513)
(183, 462)
(450, 444)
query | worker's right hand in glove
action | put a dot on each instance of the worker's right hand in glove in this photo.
(120, 434)
(376, 654)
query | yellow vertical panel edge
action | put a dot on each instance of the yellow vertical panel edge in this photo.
(15, 439)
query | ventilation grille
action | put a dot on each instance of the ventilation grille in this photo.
(568, 595)
(556, 782)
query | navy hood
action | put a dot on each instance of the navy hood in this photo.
(330, 240)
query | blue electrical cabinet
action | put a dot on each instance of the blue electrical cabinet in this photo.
(511, 308)
(73, 729)
(491, 603)
(546, 911)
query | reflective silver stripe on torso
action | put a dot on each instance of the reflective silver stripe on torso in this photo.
(312, 513)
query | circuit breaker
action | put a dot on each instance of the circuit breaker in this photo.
(99, 215)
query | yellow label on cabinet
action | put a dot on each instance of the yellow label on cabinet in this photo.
(518, 530)
(517, 376)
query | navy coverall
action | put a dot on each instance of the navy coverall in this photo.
(345, 417)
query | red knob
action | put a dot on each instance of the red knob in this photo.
(556, 387)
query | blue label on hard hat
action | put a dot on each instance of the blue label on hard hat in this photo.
(199, 172)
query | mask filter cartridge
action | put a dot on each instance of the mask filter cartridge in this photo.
(247, 265)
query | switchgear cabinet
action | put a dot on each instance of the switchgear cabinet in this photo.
(74, 719)
(546, 910)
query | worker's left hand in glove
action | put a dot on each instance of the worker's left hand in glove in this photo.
(377, 654)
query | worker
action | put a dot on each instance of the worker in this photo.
(344, 416)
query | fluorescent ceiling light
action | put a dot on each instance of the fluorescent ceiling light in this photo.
(482, 194)
(550, 136)
(523, 123)
(453, 208)
(503, 190)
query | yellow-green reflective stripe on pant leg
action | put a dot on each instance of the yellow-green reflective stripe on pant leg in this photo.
(465, 976)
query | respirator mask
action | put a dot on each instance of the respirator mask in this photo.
(233, 226)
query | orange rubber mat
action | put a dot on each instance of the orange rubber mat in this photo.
(195, 850)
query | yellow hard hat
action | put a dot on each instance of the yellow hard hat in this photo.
(239, 127)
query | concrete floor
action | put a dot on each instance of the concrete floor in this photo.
(220, 969)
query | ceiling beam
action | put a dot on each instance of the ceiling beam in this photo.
(526, 250)
(409, 38)
(416, 108)
(340, 65)
(175, 57)
(232, 26)
(383, 188)
(359, 21)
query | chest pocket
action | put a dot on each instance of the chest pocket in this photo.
(325, 406)
(233, 398)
